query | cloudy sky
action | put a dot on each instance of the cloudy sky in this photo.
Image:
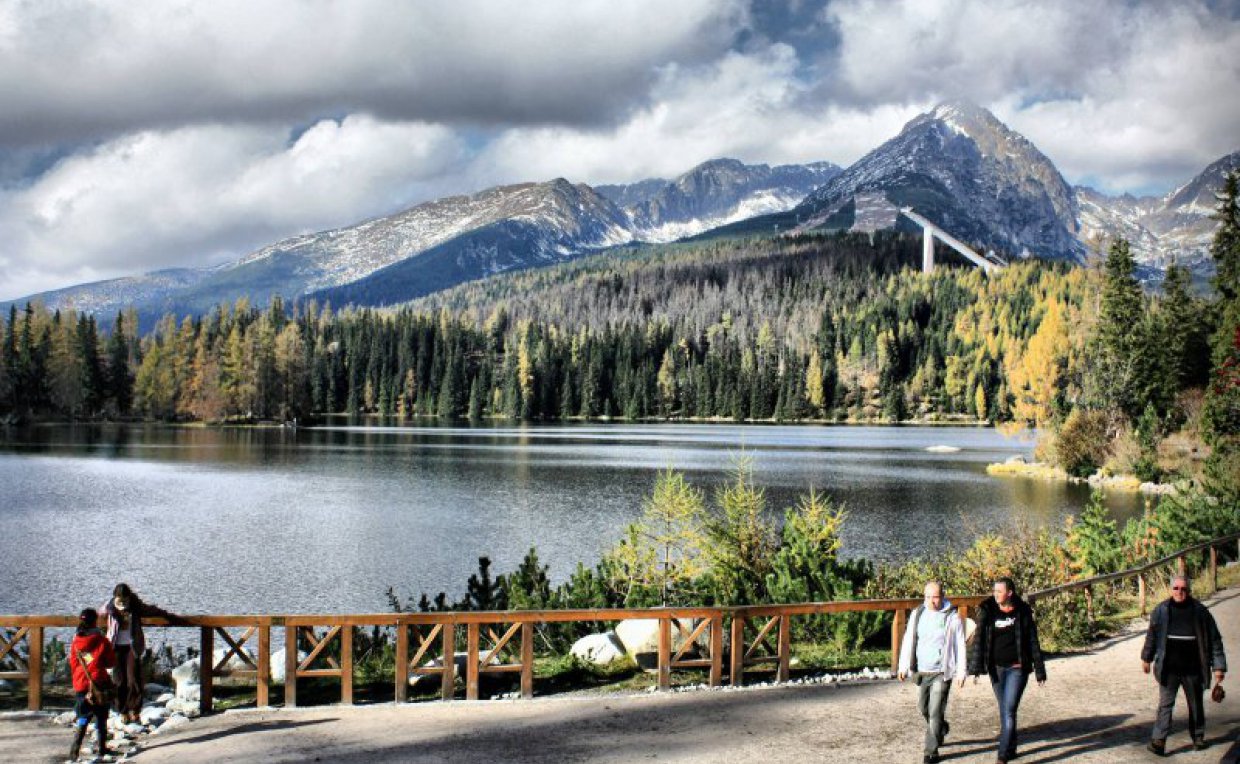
(144, 135)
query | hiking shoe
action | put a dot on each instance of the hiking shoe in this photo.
(1200, 744)
(1158, 747)
(930, 758)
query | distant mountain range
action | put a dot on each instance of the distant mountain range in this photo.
(957, 164)
(1177, 227)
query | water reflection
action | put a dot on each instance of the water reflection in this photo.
(325, 518)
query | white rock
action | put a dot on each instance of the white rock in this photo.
(1017, 459)
(65, 719)
(133, 728)
(171, 723)
(184, 708)
(163, 699)
(640, 636)
(153, 714)
(186, 677)
(599, 649)
(153, 690)
(460, 662)
(277, 664)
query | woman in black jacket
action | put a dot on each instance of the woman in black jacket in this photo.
(1006, 649)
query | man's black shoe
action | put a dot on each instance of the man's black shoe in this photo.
(1158, 747)
(930, 758)
(1200, 744)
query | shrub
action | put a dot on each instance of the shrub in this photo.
(1082, 444)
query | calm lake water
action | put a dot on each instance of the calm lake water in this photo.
(324, 519)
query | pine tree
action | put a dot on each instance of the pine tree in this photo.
(1119, 361)
(1185, 338)
(484, 593)
(119, 382)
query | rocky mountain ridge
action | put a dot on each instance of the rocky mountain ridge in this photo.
(957, 165)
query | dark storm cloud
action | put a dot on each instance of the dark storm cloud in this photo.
(142, 135)
(73, 70)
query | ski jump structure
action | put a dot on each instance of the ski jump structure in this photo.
(930, 232)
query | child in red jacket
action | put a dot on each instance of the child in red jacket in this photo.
(90, 652)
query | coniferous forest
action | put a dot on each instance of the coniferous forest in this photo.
(835, 327)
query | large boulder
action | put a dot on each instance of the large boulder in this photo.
(599, 649)
(277, 664)
(187, 679)
(640, 636)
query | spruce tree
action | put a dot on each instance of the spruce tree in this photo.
(1185, 336)
(1118, 345)
(119, 377)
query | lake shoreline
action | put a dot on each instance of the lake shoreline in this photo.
(1044, 471)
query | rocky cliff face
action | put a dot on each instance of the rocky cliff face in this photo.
(723, 191)
(961, 167)
(1175, 228)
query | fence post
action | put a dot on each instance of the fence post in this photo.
(716, 649)
(402, 662)
(897, 636)
(737, 675)
(665, 653)
(785, 648)
(263, 688)
(447, 686)
(1089, 605)
(1214, 569)
(346, 665)
(471, 661)
(1141, 591)
(1182, 565)
(290, 666)
(527, 659)
(34, 667)
(206, 668)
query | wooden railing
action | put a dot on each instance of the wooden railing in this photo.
(500, 642)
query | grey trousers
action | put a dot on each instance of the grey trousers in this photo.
(932, 691)
(1168, 689)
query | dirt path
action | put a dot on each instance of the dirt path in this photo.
(1097, 707)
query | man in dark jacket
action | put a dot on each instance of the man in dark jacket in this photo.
(1006, 649)
(1184, 645)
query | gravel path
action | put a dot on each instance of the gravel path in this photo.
(1097, 707)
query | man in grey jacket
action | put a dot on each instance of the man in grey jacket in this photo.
(1184, 645)
(932, 654)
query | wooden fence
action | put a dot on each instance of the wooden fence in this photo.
(501, 642)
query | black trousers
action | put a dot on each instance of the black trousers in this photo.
(1194, 692)
(128, 678)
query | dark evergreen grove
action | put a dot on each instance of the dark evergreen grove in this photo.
(837, 327)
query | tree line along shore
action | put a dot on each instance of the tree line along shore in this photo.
(827, 327)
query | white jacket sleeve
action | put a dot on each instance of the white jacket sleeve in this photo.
(906, 644)
(956, 635)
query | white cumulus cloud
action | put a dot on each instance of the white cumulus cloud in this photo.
(196, 195)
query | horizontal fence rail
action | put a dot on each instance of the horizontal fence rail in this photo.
(502, 642)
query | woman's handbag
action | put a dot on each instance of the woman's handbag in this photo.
(100, 693)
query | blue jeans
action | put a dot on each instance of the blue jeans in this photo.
(1008, 687)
